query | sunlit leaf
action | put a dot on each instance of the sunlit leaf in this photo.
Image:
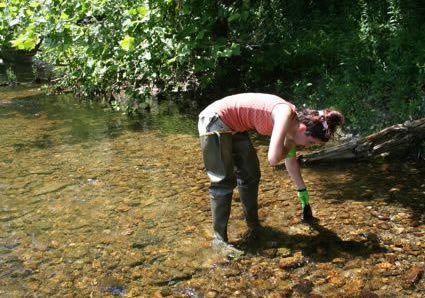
(35, 4)
(24, 42)
(172, 60)
(132, 11)
(147, 55)
(142, 10)
(234, 17)
(30, 43)
(14, 22)
(128, 43)
(236, 49)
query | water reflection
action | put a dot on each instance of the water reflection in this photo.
(95, 204)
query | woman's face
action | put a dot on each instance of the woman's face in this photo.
(304, 140)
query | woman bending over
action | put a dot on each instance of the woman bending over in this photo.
(230, 159)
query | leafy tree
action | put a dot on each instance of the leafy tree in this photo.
(365, 57)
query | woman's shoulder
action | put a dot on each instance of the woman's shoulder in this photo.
(256, 96)
(285, 108)
(285, 112)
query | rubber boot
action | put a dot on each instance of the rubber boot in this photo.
(248, 195)
(248, 177)
(220, 208)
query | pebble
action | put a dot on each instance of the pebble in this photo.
(292, 262)
(283, 252)
(212, 294)
(412, 277)
(335, 278)
(303, 286)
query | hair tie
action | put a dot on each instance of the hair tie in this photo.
(324, 123)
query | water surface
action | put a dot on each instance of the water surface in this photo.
(94, 204)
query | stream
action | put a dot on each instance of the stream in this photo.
(96, 204)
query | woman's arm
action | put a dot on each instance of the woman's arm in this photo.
(284, 119)
(294, 171)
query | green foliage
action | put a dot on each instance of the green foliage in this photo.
(363, 57)
(11, 77)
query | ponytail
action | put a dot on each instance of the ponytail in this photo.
(321, 124)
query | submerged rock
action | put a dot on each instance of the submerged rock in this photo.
(189, 292)
(412, 277)
(304, 286)
(367, 294)
(296, 261)
(117, 290)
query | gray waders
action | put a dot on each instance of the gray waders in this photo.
(230, 160)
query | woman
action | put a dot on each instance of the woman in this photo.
(230, 159)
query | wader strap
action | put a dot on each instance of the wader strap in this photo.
(216, 132)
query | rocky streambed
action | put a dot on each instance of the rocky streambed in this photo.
(94, 205)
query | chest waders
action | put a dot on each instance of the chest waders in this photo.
(230, 161)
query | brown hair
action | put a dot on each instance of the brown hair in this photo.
(321, 124)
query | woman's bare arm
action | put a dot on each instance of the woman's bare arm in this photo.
(284, 120)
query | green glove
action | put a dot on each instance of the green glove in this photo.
(292, 152)
(304, 197)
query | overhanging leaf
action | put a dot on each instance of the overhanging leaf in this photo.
(128, 43)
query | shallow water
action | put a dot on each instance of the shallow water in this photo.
(96, 205)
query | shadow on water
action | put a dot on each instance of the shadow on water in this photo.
(166, 118)
(84, 121)
(62, 120)
(391, 182)
(394, 183)
(41, 142)
(324, 246)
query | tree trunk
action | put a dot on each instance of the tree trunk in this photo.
(399, 141)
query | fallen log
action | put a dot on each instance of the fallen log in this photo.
(397, 141)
